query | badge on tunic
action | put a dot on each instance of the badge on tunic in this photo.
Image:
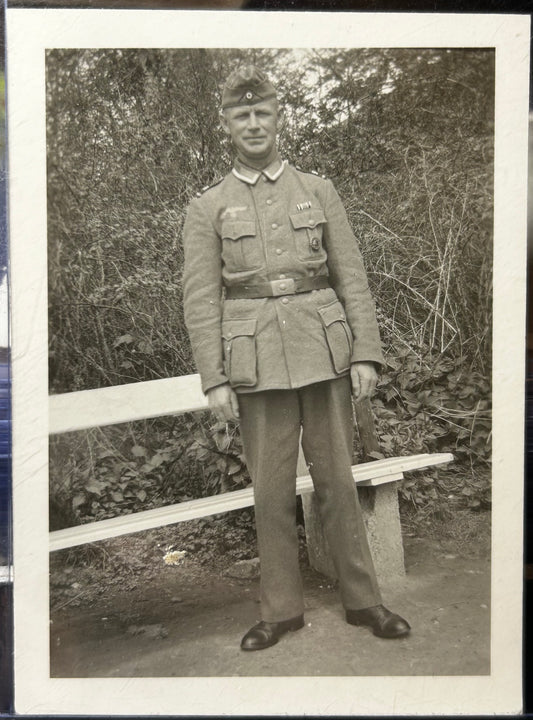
(304, 206)
(314, 243)
(231, 212)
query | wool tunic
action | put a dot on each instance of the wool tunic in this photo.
(279, 224)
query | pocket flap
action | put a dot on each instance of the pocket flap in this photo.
(332, 313)
(238, 328)
(308, 219)
(234, 229)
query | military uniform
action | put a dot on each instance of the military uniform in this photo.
(288, 356)
(278, 307)
(276, 226)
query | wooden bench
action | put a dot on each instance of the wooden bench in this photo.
(126, 403)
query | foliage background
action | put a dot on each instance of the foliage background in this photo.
(406, 135)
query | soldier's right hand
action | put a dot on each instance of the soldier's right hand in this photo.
(222, 400)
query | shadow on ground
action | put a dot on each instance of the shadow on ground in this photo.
(164, 621)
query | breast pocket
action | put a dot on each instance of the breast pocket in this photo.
(308, 229)
(241, 248)
(338, 335)
(240, 357)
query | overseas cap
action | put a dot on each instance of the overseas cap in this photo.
(247, 86)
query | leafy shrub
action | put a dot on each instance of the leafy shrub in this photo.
(105, 472)
(437, 406)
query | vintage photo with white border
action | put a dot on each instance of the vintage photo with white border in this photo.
(96, 357)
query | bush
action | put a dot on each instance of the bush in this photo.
(105, 472)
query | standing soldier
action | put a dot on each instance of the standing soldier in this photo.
(283, 330)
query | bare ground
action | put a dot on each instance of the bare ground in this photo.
(128, 614)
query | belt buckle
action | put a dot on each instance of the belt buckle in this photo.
(286, 286)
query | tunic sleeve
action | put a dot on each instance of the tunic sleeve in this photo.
(349, 280)
(202, 294)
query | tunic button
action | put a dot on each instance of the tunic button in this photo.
(274, 226)
(284, 300)
(265, 179)
(229, 334)
(269, 201)
(282, 286)
(282, 276)
(278, 251)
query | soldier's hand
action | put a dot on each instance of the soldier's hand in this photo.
(222, 400)
(364, 380)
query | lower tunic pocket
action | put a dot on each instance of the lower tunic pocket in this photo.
(240, 356)
(338, 335)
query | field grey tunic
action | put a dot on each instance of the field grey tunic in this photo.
(254, 227)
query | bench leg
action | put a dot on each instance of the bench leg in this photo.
(380, 511)
(317, 545)
(382, 518)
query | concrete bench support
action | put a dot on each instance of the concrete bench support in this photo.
(380, 510)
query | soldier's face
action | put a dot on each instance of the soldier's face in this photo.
(253, 129)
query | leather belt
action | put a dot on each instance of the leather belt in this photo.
(275, 288)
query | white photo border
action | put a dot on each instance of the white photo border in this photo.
(29, 33)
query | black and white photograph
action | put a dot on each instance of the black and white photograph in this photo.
(274, 307)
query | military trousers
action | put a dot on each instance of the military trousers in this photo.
(271, 422)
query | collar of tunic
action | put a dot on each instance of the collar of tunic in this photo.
(251, 176)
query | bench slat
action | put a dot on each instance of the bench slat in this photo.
(124, 403)
(372, 473)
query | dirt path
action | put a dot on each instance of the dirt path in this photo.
(163, 621)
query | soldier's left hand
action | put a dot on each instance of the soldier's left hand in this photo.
(364, 380)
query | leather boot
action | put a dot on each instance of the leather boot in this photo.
(384, 623)
(265, 634)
